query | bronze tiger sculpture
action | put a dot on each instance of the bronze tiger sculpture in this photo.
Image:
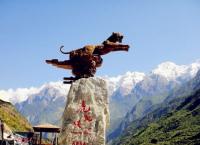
(84, 61)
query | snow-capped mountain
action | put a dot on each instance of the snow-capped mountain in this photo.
(54, 89)
(171, 71)
(18, 95)
(46, 105)
(154, 88)
(125, 91)
(124, 83)
(165, 77)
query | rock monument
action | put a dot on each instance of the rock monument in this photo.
(86, 115)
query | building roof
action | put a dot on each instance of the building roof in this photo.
(46, 128)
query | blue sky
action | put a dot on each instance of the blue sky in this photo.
(32, 31)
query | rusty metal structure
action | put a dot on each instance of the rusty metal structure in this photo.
(84, 61)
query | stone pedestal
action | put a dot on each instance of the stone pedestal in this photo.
(86, 115)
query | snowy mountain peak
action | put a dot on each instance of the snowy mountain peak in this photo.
(18, 95)
(128, 82)
(134, 76)
(51, 89)
(194, 67)
(54, 89)
(171, 71)
(122, 84)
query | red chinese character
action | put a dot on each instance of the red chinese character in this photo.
(78, 143)
(83, 107)
(78, 123)
(87, 117)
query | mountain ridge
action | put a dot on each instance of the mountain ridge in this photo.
(152, 90)
(22, 94)
(174, 122)
(124, 90)
(13, 118)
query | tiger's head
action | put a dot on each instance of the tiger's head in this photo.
(115, 37)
